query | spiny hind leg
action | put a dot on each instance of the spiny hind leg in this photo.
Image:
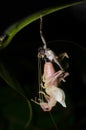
(56, 75)
(61, 75)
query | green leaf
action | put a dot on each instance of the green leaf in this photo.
(10, 32)
(14, 84)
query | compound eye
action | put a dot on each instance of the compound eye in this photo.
(41, 52)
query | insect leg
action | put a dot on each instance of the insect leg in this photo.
(47, 97)
(38, 103)
(55, 76)
(63, 55)
(59, 74)
(42, 92)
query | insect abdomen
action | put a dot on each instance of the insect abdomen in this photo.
(49, 71)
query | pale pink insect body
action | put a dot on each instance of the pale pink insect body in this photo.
(49, 72)
(49, 91)
(51, 80)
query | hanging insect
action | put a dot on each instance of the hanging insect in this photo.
(49, 91)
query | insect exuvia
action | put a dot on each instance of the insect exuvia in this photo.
(49, 91)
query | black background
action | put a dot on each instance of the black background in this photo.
(58, 28)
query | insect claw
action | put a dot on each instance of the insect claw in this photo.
(63, 80)
(66, 55)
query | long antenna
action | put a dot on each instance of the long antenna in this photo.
(41, 34)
